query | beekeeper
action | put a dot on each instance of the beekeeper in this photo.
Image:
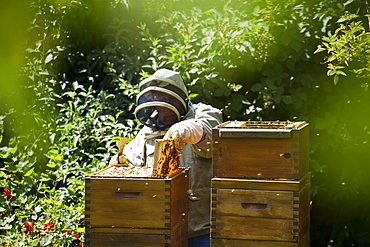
(164, 108)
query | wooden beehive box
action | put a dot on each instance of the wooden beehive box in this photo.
(260, 150)
(260, 212)
(134, 211)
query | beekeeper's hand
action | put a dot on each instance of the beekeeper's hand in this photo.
(118, 160)
(187, 131)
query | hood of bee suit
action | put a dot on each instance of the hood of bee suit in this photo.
(163, 100)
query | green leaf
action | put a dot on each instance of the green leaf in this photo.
(22, 199)
(348, 2)
(340, 20)
(219, 92)
(80, 187)
(51, 165)
(35, 242)
(12, 150)
(336, 79)
(3, 155)
(319, 50)
(277, 99)
(29, 172)
(38, 209)
(331, 72)
(49, 58)
(46, 240)
(48, 201)
(193, 95)
(81, 229)
(287, 99)
(53, 151)
(257, 87)
(53, 155)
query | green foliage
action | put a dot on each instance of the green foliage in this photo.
(338, 161)
(249, 61)
(44, 170)
(339, 150)
(348, 48)
(68, 129)
(252, 59)
(207, 47)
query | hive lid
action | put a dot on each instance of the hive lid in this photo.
(259, 129)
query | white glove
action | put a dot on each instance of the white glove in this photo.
(118, 160)
(187, 131)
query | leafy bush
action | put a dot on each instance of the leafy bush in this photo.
(341, 178)
(252, 59)
(348, 47)
(67, 130)
(44, 170)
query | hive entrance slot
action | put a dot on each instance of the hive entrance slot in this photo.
(127, 194)
(254, 206)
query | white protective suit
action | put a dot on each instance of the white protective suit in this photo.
(139, 152)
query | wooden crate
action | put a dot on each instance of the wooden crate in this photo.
(267, 211)
(260, 150)
(131, 211)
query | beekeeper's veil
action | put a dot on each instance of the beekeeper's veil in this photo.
(163, 100)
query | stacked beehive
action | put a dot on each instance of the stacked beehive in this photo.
(138, 206)
(260, 184)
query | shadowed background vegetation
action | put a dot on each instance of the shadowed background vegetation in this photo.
(68, 80)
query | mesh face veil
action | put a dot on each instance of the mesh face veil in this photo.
(161, 104)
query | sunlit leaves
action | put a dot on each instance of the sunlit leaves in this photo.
(350, 44)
